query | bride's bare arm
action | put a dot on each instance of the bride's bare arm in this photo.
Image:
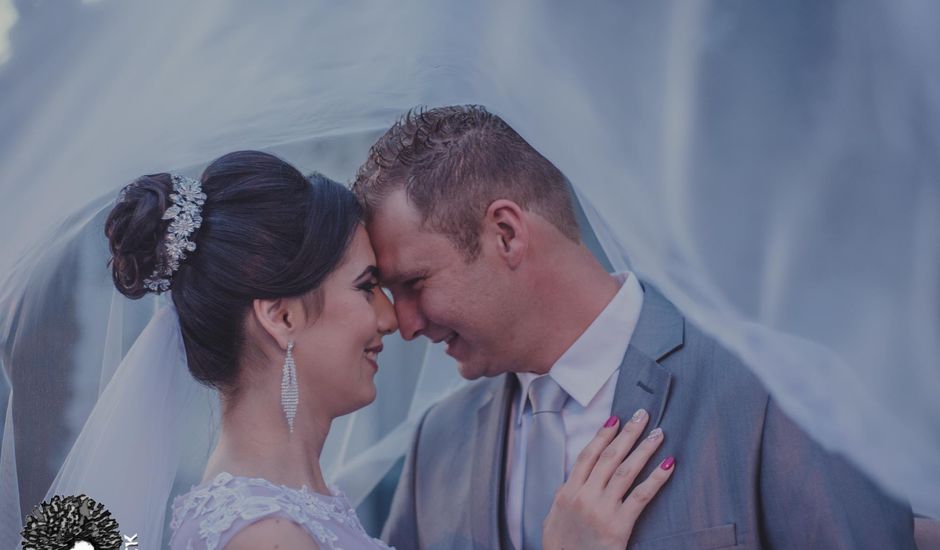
(593, 509)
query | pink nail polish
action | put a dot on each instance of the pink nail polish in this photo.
(668, 463)
(611, 422)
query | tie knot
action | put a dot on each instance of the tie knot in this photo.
(546, 395)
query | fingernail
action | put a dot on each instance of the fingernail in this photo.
(667, 464)
(655, 434)
(611, 422)
(638, 416)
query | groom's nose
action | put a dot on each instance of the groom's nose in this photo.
(411, 322)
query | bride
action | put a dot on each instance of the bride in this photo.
(277, 299)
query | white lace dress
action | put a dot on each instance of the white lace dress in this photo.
(208, 516)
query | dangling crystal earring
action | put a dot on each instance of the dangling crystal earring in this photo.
(289, 387)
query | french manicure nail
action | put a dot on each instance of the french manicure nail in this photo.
(638, 416)
(655, 434)
(667, 464)
(611, 421)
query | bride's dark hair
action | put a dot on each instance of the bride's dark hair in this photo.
(267, 232)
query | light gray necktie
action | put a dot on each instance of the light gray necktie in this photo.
(545, 458)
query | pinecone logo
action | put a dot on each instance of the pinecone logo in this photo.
(61, 522)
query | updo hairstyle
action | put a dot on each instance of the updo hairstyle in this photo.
(268, 232)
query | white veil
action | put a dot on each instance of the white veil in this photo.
(770, 168)
(134, 431)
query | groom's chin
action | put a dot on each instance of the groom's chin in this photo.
(470, 371)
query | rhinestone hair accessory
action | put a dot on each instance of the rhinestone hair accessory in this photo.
(186, 214)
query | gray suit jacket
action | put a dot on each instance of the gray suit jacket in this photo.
(746, 476)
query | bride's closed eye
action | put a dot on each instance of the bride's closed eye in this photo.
(369, 288)
(369, 281)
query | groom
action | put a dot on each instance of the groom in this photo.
(475, 236)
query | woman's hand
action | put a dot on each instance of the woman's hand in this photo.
(589, 510)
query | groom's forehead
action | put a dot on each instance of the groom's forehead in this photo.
(404, 246)
(393, 221)
(395, 256)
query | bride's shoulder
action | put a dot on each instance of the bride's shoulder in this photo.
(216, 513)
(213, 513)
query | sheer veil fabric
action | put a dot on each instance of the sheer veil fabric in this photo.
(771, 169)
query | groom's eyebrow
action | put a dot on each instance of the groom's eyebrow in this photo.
(400, 277)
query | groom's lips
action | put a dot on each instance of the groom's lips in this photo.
(449, 341)
(446, 339)
(451, 338)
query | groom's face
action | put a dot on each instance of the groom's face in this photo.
(438, 294)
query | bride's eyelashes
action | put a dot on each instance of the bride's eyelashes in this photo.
(369, 288)
(370, 281)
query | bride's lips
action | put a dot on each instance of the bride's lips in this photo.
(372, 355)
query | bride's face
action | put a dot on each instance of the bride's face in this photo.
(336, 354)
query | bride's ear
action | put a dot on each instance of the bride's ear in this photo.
(278, 317)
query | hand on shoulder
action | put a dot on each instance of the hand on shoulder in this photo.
(272, 533)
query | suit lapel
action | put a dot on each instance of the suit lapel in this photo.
(643, 382)
(486, 478)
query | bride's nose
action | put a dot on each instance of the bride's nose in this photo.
(385, 311)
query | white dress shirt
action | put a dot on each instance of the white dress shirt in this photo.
(588, 372)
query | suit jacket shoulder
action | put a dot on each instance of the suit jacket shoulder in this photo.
(746, 475)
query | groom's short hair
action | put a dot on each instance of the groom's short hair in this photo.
(453, 162)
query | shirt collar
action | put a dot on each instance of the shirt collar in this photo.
(587, 365)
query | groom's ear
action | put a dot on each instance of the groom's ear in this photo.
(505, 226)
(278, 318)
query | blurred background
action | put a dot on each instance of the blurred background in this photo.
(771, 167)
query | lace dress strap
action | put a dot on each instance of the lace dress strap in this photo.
(210, 515)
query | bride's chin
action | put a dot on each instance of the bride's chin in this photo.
(371, 395)
(365, 399)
